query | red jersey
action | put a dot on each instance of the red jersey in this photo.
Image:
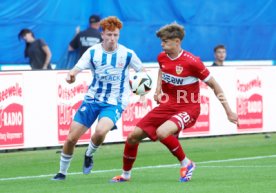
(180, 78)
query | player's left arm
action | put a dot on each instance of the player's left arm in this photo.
(136, 63)
(203, 74)
(212, 83)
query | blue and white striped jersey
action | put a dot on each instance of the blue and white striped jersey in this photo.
(110, 72)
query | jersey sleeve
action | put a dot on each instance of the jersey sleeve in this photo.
(85, 61)
(200, 70)
(135, 62)
(159, 59)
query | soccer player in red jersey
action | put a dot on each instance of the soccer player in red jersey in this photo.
(178, 96)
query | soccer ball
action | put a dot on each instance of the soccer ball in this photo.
(140, 83)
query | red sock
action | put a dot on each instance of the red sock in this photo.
(174, 146)
(130, 153)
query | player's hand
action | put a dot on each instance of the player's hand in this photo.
(157, 97)
(233, 117)
(70, 78)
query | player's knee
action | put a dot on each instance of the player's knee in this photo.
(71, 141)
(131, 139)
(100, 133)
(161, 134)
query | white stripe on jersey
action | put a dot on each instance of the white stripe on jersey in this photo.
(207, 78)
(110, 73)
(181, 122)
(175, 80)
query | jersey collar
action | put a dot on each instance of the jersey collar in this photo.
(180, 53)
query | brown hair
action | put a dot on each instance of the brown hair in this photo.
(220, 46)
(111, 23)
(171, 31)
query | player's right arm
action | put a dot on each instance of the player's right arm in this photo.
(83, 63)
(71, 76)
(158, 90)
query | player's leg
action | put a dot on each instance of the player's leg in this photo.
(84, 117)
(76, 131)
(167, 134)
(102, 128)
(130, 154)
(146, 127)
(104, 125)
(108, 116)
(131, 149)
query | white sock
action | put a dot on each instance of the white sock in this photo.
(126, 174)
(64, 163)
(184, 162)
(91, 149)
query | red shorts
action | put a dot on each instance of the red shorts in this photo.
(183, 117)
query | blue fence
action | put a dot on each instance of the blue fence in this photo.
(246, 28)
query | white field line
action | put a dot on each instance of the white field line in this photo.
(157, 166)
(253, 166)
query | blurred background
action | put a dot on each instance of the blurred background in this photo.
(247, 28)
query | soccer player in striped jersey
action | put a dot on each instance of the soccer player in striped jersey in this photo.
(178, 93)
(107, 95)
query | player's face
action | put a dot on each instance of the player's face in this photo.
(220, 54)
(110, 39)
(170, 45)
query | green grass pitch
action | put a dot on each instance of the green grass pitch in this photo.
(233, 164)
